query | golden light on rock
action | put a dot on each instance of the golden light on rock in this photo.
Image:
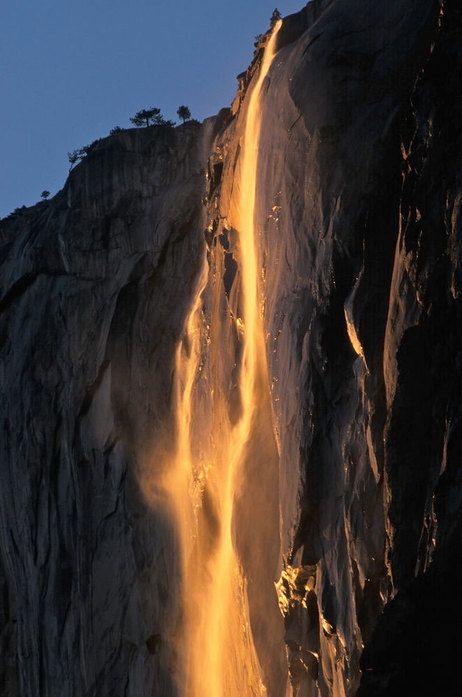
(199, 485)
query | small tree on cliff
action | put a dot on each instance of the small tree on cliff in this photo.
(73, 158)
(77, 155)
(44, 194)
(275, 17)
(147, 117)
(184, 113)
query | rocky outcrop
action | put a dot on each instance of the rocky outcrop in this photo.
(95, 286)
(413, 649)
(358, 214)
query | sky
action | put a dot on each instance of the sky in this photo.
(70, 70)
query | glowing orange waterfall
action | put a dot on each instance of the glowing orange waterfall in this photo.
(216, 648)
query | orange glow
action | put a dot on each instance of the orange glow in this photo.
(216, 652)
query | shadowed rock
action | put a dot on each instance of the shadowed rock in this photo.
(358, 209)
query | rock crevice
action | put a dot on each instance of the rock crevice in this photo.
(358, 216)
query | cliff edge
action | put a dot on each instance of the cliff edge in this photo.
(358, 210)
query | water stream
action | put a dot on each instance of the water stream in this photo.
(219, 656)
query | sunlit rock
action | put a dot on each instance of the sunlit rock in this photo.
(123, 308)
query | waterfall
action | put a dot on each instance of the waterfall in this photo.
(206, 472)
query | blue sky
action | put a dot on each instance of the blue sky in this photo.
(73, 69)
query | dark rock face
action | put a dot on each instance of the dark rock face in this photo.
(94, 293)
(358, 211)
(413, 650)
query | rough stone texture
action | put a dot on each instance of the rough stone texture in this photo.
(359, 216)
(94, 288)
(414, 649)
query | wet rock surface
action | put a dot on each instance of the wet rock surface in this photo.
(359, 217)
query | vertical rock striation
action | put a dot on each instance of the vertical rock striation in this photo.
(358, 202)
(94, 292)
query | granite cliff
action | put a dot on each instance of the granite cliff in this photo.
(358, 215)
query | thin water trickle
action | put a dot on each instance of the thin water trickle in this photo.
(216, 647)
